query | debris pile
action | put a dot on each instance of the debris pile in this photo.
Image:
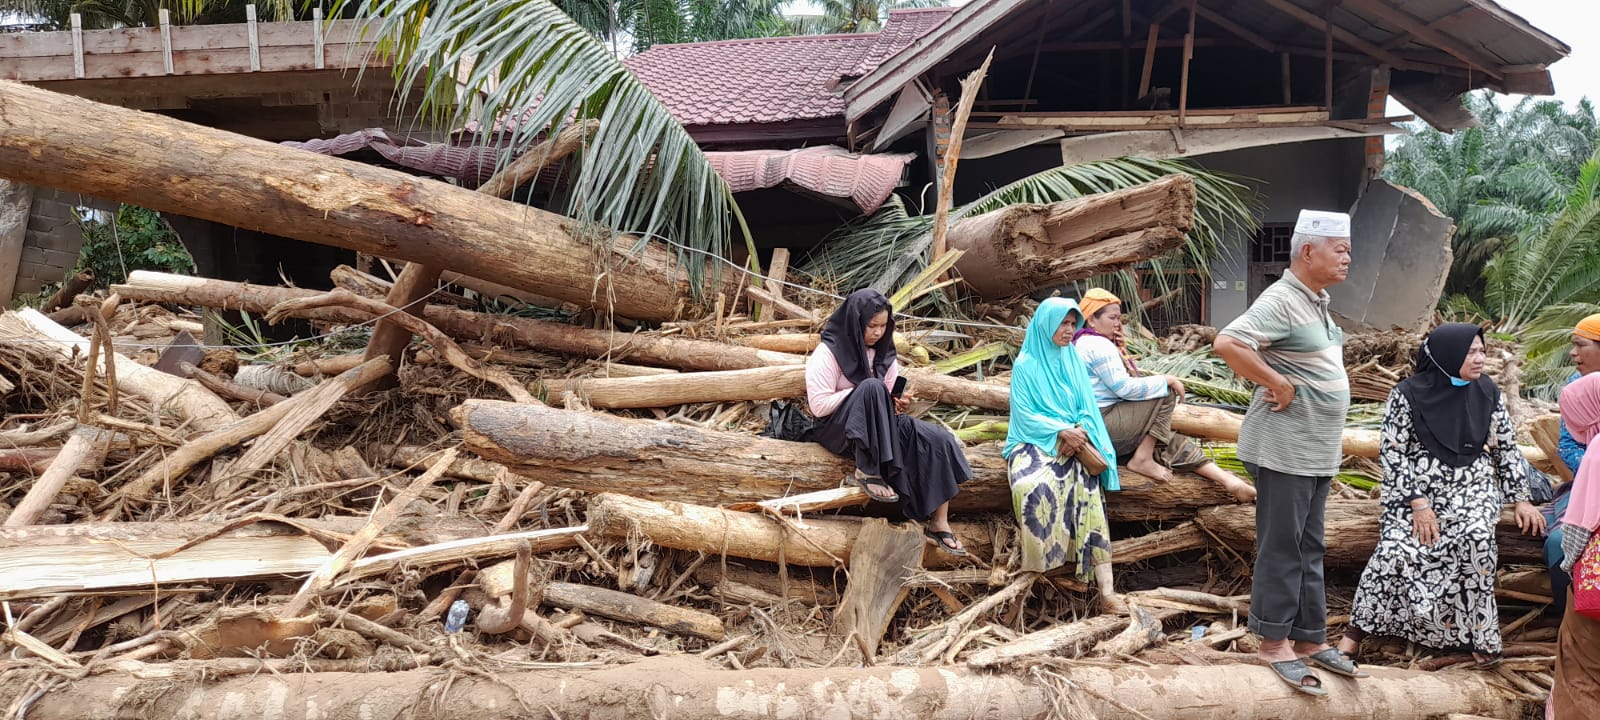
(540, 517)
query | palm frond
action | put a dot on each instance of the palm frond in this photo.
(535, 69)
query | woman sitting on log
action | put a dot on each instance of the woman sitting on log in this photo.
(1138, 408)
(1577, 678)
(1450, 461)
(898, 458)
(1061, 517)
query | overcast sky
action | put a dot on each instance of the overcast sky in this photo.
(1573, 22)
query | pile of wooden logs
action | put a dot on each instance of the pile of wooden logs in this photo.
(601, 503)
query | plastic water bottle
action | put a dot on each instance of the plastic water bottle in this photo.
(457, 617)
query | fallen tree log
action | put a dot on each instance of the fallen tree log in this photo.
(680, 686)
(264, 186)
(1352, 533)
(656, 460)
(818, 542)
(700, 355)
(1022, 248)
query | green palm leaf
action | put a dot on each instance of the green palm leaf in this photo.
(527, 62)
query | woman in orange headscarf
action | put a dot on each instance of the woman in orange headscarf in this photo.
(1138, 407)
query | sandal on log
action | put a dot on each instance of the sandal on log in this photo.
(940, 536)
(1336, 662)
(867, 482)
(1294, 672)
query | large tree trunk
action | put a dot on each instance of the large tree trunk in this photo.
(1023, 248)
(215, 175)
(657, 460)
(1352, 533)
(682, 687)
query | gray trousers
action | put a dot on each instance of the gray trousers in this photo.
(1287, 595)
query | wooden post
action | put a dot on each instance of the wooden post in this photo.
(166, 40)
(1327, 64)
(1127, 47)
(255, 39)
(416, 282)
(317, 61)
(1149, 59)
(77, 45)
(777, 273)
(1283, 65)
(1183, 79)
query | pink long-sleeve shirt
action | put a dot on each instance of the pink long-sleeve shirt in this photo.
(826, 385)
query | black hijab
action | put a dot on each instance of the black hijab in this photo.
(846, 332)
(1452, 422)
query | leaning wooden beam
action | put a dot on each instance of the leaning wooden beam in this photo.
(1022, 248)
(196, 451)
(264, 186)
(596, 452)
(697, 691)
(817, 542)
(187, 398)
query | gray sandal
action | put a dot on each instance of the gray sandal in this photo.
(1336, 662)
(1295, 673)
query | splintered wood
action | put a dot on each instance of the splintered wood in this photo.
(240, 514)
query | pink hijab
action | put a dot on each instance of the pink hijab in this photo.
(1580, 409)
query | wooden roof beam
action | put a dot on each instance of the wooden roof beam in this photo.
(1416, 27)
(1440, 24)
(1345, 36)
(1237, 30)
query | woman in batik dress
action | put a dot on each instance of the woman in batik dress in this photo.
(1450, 461)
(1060, 509)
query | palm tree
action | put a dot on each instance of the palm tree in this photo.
(852, 16)
(530, 65)
(1499, 179)
(641, 24)
(1549, 277)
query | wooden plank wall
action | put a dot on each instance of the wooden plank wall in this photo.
(182, 50)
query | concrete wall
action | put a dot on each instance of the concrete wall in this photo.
(1322, 175)
(50, 247)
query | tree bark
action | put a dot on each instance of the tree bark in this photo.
(656, 460)
(1023, 248)
(633, 609)
(236, 180)
(679, 686)
(1352, 533)
(819, 542)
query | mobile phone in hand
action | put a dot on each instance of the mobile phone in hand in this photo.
(899, 386)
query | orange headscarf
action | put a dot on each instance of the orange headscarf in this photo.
(1588, 327)
(1096, 299)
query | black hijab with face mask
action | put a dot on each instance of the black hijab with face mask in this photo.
(846, 332)
(1451, 421)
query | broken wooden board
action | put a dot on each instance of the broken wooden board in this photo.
(883, 558)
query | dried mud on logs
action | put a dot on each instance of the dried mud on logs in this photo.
(683, 687)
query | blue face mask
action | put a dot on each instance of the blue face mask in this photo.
(1458, 382)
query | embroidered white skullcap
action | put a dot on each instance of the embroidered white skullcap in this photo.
(1323, 223)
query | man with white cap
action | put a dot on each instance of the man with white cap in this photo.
(1288, 345)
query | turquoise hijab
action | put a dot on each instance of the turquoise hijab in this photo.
(1050, 390)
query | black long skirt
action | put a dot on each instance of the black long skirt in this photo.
(923, 462)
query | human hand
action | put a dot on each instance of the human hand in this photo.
(902, 404)
(1529, 520)
(1175, 385)
(1068, 441)
(1279, 396)
(1424, 524)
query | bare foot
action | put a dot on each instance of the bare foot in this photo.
(1114, 603)
(1241, 491)
(1150, 469)
(1349, 647)
(1276, 651)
